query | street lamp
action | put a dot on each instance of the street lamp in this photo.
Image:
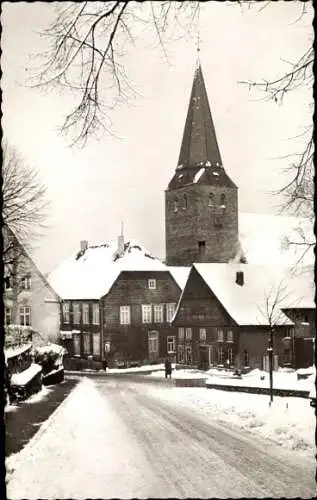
(270, 352)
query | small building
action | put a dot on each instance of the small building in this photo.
(29, 300)
(227, 311)
(117, 303)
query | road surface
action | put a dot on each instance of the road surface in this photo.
(112, 438)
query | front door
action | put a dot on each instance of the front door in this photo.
(153, 345)
(203, 357)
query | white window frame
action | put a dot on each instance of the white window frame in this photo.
(146, 313)
(181, 354)
(171, 344)
(230, 355)
(202, 334)
(85, 314)
(220, 355)
(153, 342)
(76, 344)
(25, 315)
(170, 311)
(158, 313)
(219, 335)
(86, 336)
(96, 344)
(95, 314)
(151, 284)
(125, 315)
(188, 333)
(188, 350)
(26, 282)
(229, 336)
(76, 313)
(181, 333)
(66, 313)
(7, 315)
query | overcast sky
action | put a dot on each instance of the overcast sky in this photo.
(123, 179)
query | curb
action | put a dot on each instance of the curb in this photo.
(297, 393)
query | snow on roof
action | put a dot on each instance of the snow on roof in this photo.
(263, 238)
(251, 303)
(180, 275)
(198, 175)
(90, 275)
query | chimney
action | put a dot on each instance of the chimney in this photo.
(83, 245)
(240, 278)
(120, 249)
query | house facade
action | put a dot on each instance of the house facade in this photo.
(28, 298)
(137, 314)
(124, 312)
(302, 344)
(220, 321)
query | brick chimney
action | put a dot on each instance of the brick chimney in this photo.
(240, 278)
(83, 245)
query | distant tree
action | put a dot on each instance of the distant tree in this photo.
(298, 192)
(276, 298)
(24, 202)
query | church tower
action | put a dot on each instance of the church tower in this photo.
(201, 201)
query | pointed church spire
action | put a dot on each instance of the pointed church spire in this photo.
(199, 139)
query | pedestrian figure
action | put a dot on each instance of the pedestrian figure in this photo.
(168, 368)
(105, 364)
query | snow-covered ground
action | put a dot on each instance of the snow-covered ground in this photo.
(81, 443)
(86, 450)
(289, 421)
(282, 379)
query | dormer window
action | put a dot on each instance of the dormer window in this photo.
(211, 200)
(175, 204)
(223, 201)
(26, 282)
(185, 202)
(152, 284)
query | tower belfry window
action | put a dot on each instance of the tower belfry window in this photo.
(185, 201)
(223, 201)
(211, 200)
(201, 250)
(175, 204)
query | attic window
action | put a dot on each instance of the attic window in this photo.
(26, 282)
(211, 200)
(185, 202)
(152, 284)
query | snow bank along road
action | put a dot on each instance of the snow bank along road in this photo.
(116, 439)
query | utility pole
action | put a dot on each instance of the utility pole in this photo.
(270, 352)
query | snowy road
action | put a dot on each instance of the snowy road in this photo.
(115, 439)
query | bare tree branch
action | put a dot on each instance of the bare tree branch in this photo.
(87, 45)
(24, 203)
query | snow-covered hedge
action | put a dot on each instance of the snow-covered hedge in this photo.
(50, 357)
